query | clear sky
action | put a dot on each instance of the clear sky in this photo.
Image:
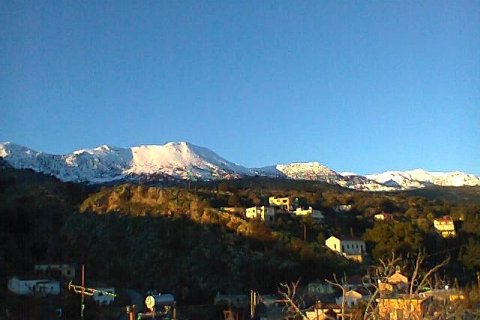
(362, 86)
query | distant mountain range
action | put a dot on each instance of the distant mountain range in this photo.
(183, 160)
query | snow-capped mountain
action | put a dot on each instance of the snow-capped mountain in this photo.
(105, 163)
(318, 172)
(182, 160)
(419, 178)
(308, 171)
(300, 171)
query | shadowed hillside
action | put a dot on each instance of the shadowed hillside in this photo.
(182, 240)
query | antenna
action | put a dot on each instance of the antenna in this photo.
(84, 291)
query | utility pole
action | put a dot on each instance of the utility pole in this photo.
(82, 303)
(253, 303)
(131, 310)
(84, 291)
(304, 232)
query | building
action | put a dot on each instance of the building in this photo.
(39, 287)
(342, 208)
(315, 214)
(445, 226)
(319, 288)
(350, 247)
(446, 295)
(66, 271)
(322, 311)
(104, 296)
(404, 307)
(383, 217)
(285, 203)
(352, 297)
(263, 213)
(396, 283)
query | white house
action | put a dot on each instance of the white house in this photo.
(285, 203)
(104, 296)
(350, 247)
(342, 208)
(352, 298)
(445, 226)
(315, 214)
(383, 217)
(263, 213)
(40, 287)
(319, 288)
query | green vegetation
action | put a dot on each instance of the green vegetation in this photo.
(181, 239)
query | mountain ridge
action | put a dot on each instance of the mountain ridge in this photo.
(186, 161)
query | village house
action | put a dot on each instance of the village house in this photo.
(342, 208)
(315, 214)
(352, 297)
(104, 296)
(383, 217)
(39, 287)
(350, 247)
(285, 203)
(396, 283)
(403, 307)
(323, 312)
(66, 271)
(446, 295)
(319, 288)
(263, 213)
(445, 226)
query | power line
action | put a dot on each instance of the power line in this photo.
(446, 250)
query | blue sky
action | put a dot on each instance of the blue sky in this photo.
(362, 86)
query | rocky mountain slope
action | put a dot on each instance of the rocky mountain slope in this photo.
(182, 160)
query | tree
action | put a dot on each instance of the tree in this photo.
(470, 255)
(293, 304)
(342, 287)
(234, 200)
(400, 237)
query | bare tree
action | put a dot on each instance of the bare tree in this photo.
(341, 286)
(426, 277)
(375, 276)
(289, 297)
(464, 303)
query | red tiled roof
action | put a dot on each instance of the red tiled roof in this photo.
(445, 219)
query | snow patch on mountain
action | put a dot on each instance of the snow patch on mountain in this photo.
(420, 178)
(106, 163)
(182, 160)
(308, 171)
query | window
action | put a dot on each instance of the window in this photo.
(400, 314)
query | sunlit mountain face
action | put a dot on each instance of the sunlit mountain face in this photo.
(183, 160)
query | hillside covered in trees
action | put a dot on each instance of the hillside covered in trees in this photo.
(191, 239)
